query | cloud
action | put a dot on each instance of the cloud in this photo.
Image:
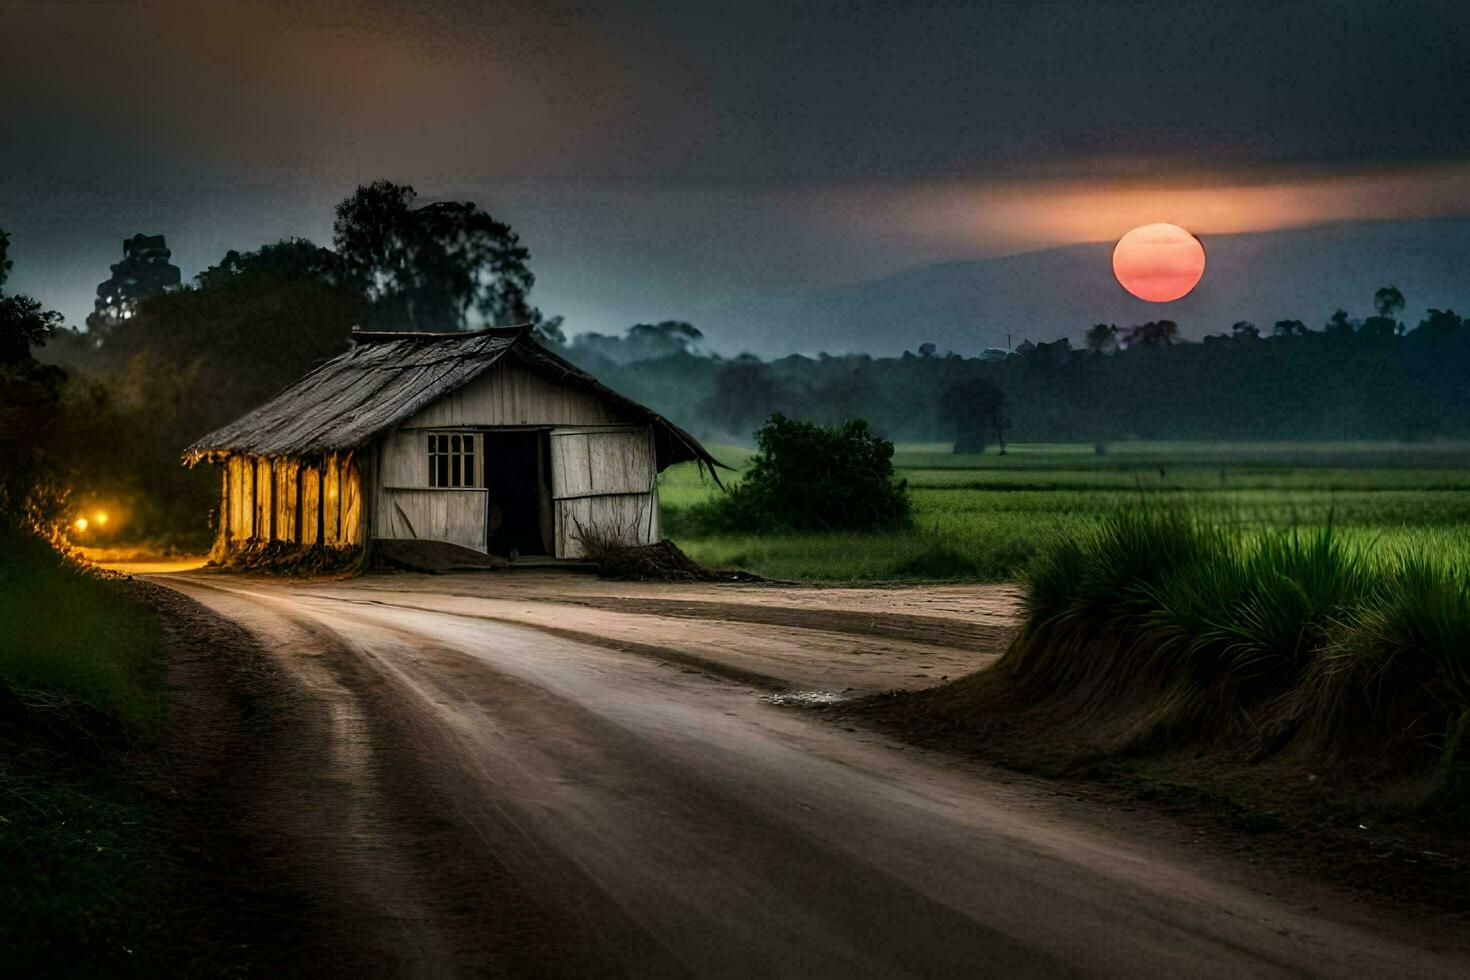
(329, 91)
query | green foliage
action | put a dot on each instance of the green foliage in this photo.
(807, 477)
(1397, 667)
(1186, 631)
(431, 267)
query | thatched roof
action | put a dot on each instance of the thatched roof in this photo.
(387, 378)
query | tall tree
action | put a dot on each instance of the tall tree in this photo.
(1102, 338)
(443, 266)
(974, 410)
(144, 271)
(1388, 301)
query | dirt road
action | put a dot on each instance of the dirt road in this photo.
(552, 774)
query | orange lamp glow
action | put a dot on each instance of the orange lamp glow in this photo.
(1159, 262)
(80, 524)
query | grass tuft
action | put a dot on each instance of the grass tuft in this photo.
(1172, 630)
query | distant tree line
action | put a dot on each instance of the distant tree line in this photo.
(1375, 378)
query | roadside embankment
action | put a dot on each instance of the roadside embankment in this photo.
(115, 861)
(1312, 694)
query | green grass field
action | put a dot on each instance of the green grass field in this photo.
(981, 518)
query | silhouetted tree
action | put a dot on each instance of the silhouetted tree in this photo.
(1161, 333)
(1102, 338)
(30, 409)
(1290, 328)
(1440, 324)
(1338, 325)
(972, 410)
(23, 325)
(432, 267)
(290, 258)
(1244, 330)
(144, 271)
(927, 349)
(1388, 301)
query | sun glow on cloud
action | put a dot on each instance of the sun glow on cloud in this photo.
(953, 219)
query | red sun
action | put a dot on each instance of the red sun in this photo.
(1159, 262)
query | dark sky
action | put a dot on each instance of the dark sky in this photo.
(668, 159)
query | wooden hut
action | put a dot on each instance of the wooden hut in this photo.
(484, 440)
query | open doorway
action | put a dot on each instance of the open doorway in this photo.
(517, 492)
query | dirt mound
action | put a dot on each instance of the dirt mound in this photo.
(662, 562)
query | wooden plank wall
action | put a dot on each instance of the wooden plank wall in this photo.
(633, 517)
(310, 495)
(508, 394)
(353, 529)
(221, 544)
(264, 512)
(456, 516)
(286, 500)
(231, 505)
(331, 500)
(285, 493)
(601, 462)
(603, 481)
